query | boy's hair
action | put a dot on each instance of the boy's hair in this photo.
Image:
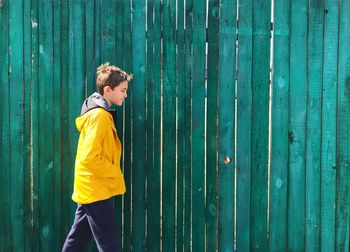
(110, 76)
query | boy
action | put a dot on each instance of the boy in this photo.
(97, 176)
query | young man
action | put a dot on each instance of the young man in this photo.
(98, 176)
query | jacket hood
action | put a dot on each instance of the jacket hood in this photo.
(93, 101)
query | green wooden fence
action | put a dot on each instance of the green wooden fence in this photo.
(236, 131)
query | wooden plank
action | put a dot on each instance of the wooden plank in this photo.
(169, 127)
(76, 80)
(280, 127)
(28, 238)
(16, 162)
(139, 124)
(5, 235)
(226, 131)
(118, 59)
(108, 31)
(90, 48)
(35, 122)
(188, 119)
(153, 109)
(68, 206)
(313, 129)
(153, 171)
(260, 123)
(127, 132)
(47, 175)
(343, 127)
(197, 129)
(297, 121)
(329, 118)
(57, 133)
(97, 34)
(212, 115)
(244, 127)
(180, 115)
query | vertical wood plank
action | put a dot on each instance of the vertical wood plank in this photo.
(118, 58)
(188, 121)
(35, 122)
(57, 133)
(180, 114)
(226, 133)
(47, 182)
(28, 238)
(139, 124)
(108, 31)
(68, 206)
(197, 127)
(343, 126)
(169, 126)
(90, 48)
(329, 132)
(313, 129)
(76, 80)
(244, 127)
(280, 126)
(16, 123)
(260, 123)
(212, 115)
(297, 122)
(153, 126)
(127, 132)
(5, 235)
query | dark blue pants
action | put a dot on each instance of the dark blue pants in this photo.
(99, 220)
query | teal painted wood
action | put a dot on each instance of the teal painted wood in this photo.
(119, 50)
(90, 47)
(35, 122)
(76, 74)
(313, 129)
(280, 119)
(280, 127)
(139, 124)
(188, 145)
(47, 179)
(329, 118)
(197, 129)
(244, 127)
(68, 206)
(169, 126)
(260, 124)
(28, 238)
(153, 172)
(153, 125)
(297, 122)
(343, 126)
(212, 114)
(57, 131)
(180, 114)
(97, 34)
(5, 235)
(16, 133)
(226, 131)
(108, 31)
(150, 237)
(126, 231)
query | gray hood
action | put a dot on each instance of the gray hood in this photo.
(94, 101)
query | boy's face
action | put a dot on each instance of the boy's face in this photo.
(117, 95)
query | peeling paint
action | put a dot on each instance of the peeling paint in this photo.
(34, 23)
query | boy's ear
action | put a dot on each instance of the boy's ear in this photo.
(106, 89)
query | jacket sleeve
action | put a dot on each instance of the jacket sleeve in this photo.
(91, 149)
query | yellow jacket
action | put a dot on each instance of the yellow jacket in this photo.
(97, 166)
